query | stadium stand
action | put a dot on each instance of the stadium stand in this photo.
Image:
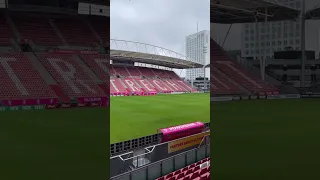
(51, 70)
(230, 78)
(45, 33)
(196, 171)
(71, 77)
(20, 80)
(5, 32)
(76, 32)
(138, 80)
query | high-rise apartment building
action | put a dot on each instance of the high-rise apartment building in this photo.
(198, 50)
(273, 36)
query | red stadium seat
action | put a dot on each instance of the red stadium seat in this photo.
(74, 80)
(154, 80)
(177, 172)
(21, 80)
(190, 172)
(228, 77)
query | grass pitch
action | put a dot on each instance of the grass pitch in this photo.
(265, 139)
(68, 144)
(137, 116)
(62, 144)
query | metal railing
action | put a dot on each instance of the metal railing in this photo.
(167, 165)
(129, 145)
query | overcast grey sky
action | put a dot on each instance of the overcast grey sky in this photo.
(233, 40)
(164, 23)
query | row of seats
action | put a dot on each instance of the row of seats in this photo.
(196, 171)
(142, 71)
(75, 76)
(74, 31)
(138, 86)
(48, 75)
(20, 80)
(5, 32)
(230, 78)
(222, 85)
(70, 75)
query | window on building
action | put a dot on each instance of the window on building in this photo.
(252, 45)
(273, 29)
(273, 43)
(268, 44)
(279, 43)
(273, 36)
(285, 42)
(247, 45)
(246, 38)
(262, 37)
(291, 35)
(294, 78)
(247, 52)
(252, 38)
(268, 36)
(291, 42)
(297, 41)
(298, 5)
(285, 35)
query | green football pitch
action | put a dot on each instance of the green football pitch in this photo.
(67, 144)
(61, 144)
(137, 116)
(254, 139)
(265, 139)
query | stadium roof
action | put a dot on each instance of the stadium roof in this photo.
(313, 14)
(149, 54)
(153, 59)
(244, 11)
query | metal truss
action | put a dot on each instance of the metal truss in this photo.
(151, 54)
(124, 45)
(246, 11)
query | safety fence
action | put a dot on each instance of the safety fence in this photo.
(126, 146)
(167, 165)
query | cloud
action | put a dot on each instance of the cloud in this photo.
(164, 23)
